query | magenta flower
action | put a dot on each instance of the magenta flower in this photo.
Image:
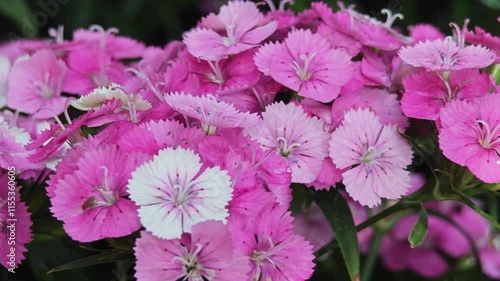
(21, 220)
(275, 252)
(470, 136)
(211, 113)
(239, 26)
(36, 83)
(175, 195)
(221, 76)
(481, 37)
(376, 155)
(427, 93)
(92, 201)
(205, 254)
(306, 63)
(446, 55)
(300, 139)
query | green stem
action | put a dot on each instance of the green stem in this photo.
(371, 258)
(401, 205)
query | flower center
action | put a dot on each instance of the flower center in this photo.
(191, 267)
(284, 148)
(181, 195)
(303, 71)
(369, 156)
(103, 197)
(230, 39)
(216, 76)
(488, 138)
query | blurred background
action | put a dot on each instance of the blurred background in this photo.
(156, 22)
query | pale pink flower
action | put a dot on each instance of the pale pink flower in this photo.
(376, 155)
(446, 55)
(470, 136)
(92, 201)
(36, 83)
(207, 253)
(239, 26)
(300, 139)
(174, 193)
(211, 113)
(306, 63)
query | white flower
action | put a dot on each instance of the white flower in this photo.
(172, 195)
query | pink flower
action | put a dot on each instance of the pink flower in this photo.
(239, 26)
(92, 200)
(175, 195)
(275, 252)
(300, 139)
(92, 67)
(446, 55)
(249, 166)
(481, 37)
(306, 63)
(470, 136)
(152, 136)
(50, 140)
(424, 32)
(205, 254)
(9, 192)
(427, 93)
(118, 47)
(36, 83)
(220, 76)
(211, 113)
(384, 104)
(377, 155)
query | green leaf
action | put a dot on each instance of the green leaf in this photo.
(92, 260)
(17, 10)
(340, 218)
(419, 229)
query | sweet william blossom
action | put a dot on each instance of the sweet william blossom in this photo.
(376, 155)
(174, 193)
(306, 63)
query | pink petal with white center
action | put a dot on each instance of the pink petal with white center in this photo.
(301, 140)
(91, 201)
(446, 55)
(36, 83)
(308, 65)
(377, 152)
(174, 195)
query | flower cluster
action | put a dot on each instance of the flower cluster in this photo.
(195, 145)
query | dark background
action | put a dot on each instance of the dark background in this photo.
(156, 22)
